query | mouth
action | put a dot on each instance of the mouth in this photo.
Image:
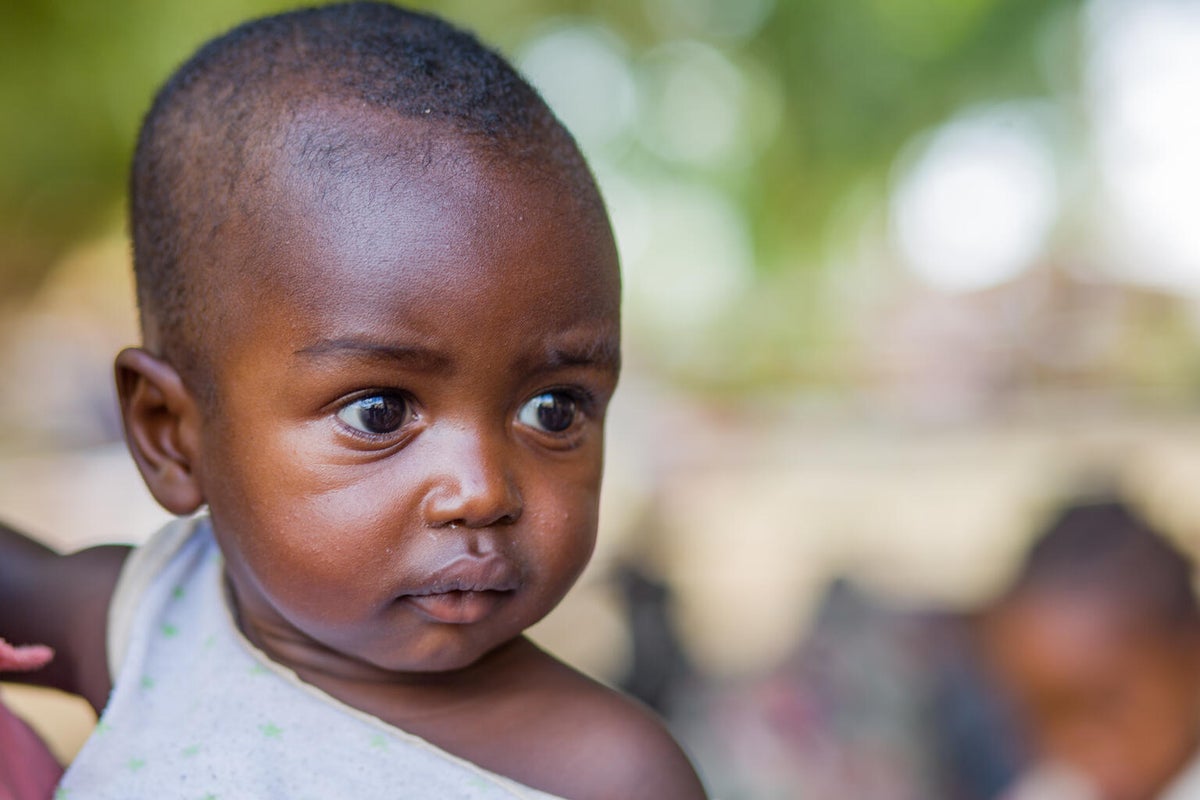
(464, 591)
(456, 607)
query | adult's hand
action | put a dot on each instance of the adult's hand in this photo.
(24, 658)
(27, 769)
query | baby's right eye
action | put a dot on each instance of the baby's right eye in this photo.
(376, 414)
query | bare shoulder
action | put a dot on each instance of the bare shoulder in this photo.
(597, 743)
(621, 749)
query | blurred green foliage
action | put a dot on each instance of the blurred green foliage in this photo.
(857, 77)
(860, 77)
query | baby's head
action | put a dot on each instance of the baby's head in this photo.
(380, 304)
(315, 106)
(1099, 639)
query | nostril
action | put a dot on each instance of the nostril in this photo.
(499, 520)
(479, 492)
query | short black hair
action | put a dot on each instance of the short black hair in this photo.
(1107, 547)
(198, 141)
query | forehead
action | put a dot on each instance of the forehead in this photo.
(355, 212)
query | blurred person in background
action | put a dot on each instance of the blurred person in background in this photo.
(878, 702)
(660, 669)
(1097, 641)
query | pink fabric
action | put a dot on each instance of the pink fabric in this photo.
(28, 770)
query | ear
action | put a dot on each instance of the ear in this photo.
(162, 428)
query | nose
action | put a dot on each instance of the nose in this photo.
(473, 485)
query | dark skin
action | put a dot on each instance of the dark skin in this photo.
(1103, 688)
(60, 601)
(401, 456)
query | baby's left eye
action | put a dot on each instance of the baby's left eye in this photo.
(552, 412)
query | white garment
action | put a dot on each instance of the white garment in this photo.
(198, 712)
(1060, 783)
(1187, 785)
(1052, 782)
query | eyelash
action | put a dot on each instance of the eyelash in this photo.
(583, 399)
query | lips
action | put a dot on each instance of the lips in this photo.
(465, 591)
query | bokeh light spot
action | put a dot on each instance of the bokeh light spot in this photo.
(976, 206)
(1144, 76)
(694, 102)
(583, 73)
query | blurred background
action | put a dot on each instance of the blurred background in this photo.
(902, 278)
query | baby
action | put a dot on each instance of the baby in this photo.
(1099, 641)
(380, 309)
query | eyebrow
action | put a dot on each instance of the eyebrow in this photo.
(412, 356)
(602, 353)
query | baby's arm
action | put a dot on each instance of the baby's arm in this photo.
(62, 602)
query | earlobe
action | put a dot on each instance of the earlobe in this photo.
(162, 422)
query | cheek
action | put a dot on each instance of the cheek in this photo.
(304, 529)
(557, 532)
(1163, 718)
(287, 474)
(561, 530)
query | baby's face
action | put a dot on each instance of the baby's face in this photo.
(403, 462)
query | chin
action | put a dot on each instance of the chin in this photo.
(441, 660)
